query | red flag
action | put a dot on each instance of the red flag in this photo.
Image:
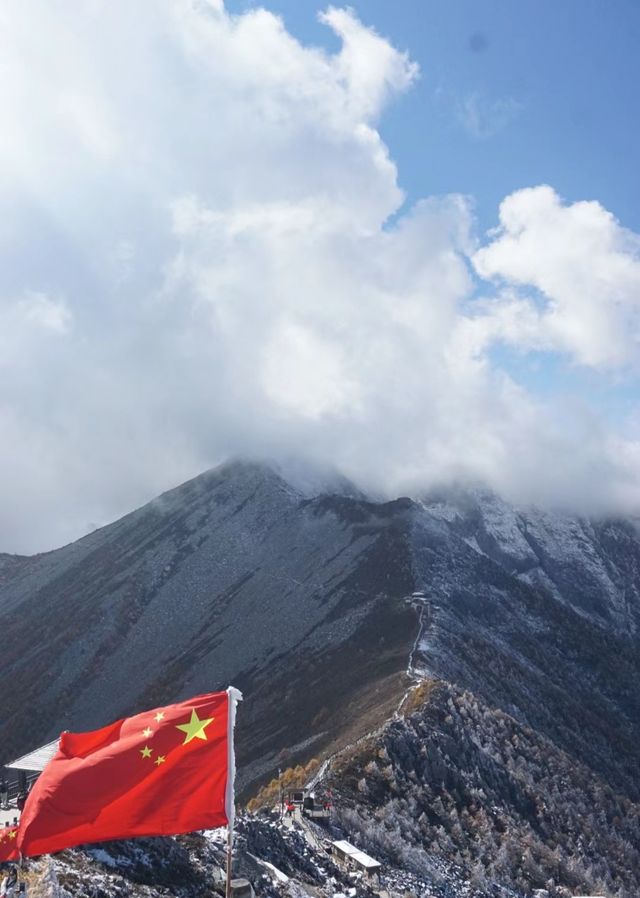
(8, 847)
(161, 772)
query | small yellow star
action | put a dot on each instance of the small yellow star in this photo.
(159, 716)
(160, 760)
(147, 732)
(145, 752)
(12, 834)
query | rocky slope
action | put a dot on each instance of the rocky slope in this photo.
(452, 783)
(537, 614)
(235, 577)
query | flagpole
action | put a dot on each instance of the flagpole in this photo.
(229, 859)
(234, 696)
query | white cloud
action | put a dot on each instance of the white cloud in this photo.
(203, 265)
(586, 267)
(371, 69)
(27, 322)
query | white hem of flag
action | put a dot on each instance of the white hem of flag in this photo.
(234, 696)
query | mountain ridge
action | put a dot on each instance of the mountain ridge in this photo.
(304, 601)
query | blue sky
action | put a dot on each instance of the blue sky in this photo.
(555, 83)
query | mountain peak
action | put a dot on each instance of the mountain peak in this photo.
(296, 477)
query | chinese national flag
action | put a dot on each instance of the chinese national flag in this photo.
(8, 846)
(161, 772)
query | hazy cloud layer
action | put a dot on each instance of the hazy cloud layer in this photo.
(197, 262)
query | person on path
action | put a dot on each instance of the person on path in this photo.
(4, 793)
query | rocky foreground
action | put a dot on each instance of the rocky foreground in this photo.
(279, 860)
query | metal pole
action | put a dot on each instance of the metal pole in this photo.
(229, 859)
(234, 696)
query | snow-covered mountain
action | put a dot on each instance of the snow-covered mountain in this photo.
(324, 607)
(537, 614)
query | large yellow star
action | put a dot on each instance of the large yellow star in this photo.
(195, 729)
(145, 752)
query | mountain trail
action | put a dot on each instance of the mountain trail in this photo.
(415, 674)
